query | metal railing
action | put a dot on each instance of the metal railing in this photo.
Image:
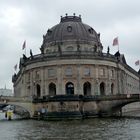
(87, 98)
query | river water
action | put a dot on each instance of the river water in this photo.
(88, 129)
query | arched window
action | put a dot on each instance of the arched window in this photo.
(102, 88)
(38, 90)
(87, 88)
(112, 88)
(70, 88)
(52, 89)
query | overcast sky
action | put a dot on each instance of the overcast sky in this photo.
(29, 19)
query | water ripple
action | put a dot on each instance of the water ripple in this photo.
(97, 129)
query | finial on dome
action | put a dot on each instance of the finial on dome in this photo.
(74, 18)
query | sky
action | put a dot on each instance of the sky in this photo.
(29, 20)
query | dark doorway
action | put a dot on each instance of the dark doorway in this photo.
(70, 88)
(112, 88)
(87, 88)
(52, 89)
(102, 88)
(38, 90)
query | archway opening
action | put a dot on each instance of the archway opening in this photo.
(15, 111)
(112, 88)
(102, 88)
(70, 88)
(87, 88)
(52, 89)
(38, 90)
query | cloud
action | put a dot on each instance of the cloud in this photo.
(29, 20)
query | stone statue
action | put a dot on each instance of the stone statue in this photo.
(31, 54)
(24, 57)
(59, 49)
(78, 48)
(108, 50)
(42, 49)
(95, 48)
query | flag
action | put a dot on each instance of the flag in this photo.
(115, 41)
(137, 62)
(24, 45)
(15, 67)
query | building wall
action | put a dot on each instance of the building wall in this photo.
(60, 72)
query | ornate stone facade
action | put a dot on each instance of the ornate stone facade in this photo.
(72, 63)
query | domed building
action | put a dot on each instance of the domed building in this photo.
(71, 62)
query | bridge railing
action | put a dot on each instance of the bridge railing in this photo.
(7, 99)
(86, 98)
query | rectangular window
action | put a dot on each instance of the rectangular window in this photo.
(112, 73)
(87, 71)
(51, 72)
(37, 76)
(102, 72)
(68, 71)
(28, 77)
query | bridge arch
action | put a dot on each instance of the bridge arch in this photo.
(118, 105)
(18, 109)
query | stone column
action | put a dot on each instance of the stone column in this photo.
(46, 82)
(108, 81)
(59, 81)
(43, 81)
(118, 78)
(24, 91)
(96, 81)
(96, 89)
(92, 87)
(79, 83)
(92, 74)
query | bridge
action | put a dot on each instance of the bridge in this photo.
(23, 106)
(70, 105)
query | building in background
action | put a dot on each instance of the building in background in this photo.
(6, 92)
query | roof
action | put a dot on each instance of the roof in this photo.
(71, 28)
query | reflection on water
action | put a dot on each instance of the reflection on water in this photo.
(90, 129)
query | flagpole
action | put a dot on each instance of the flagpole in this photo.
(118, 44)
(139, 77)
(139, 64)
(24, 47)
(25, 51)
